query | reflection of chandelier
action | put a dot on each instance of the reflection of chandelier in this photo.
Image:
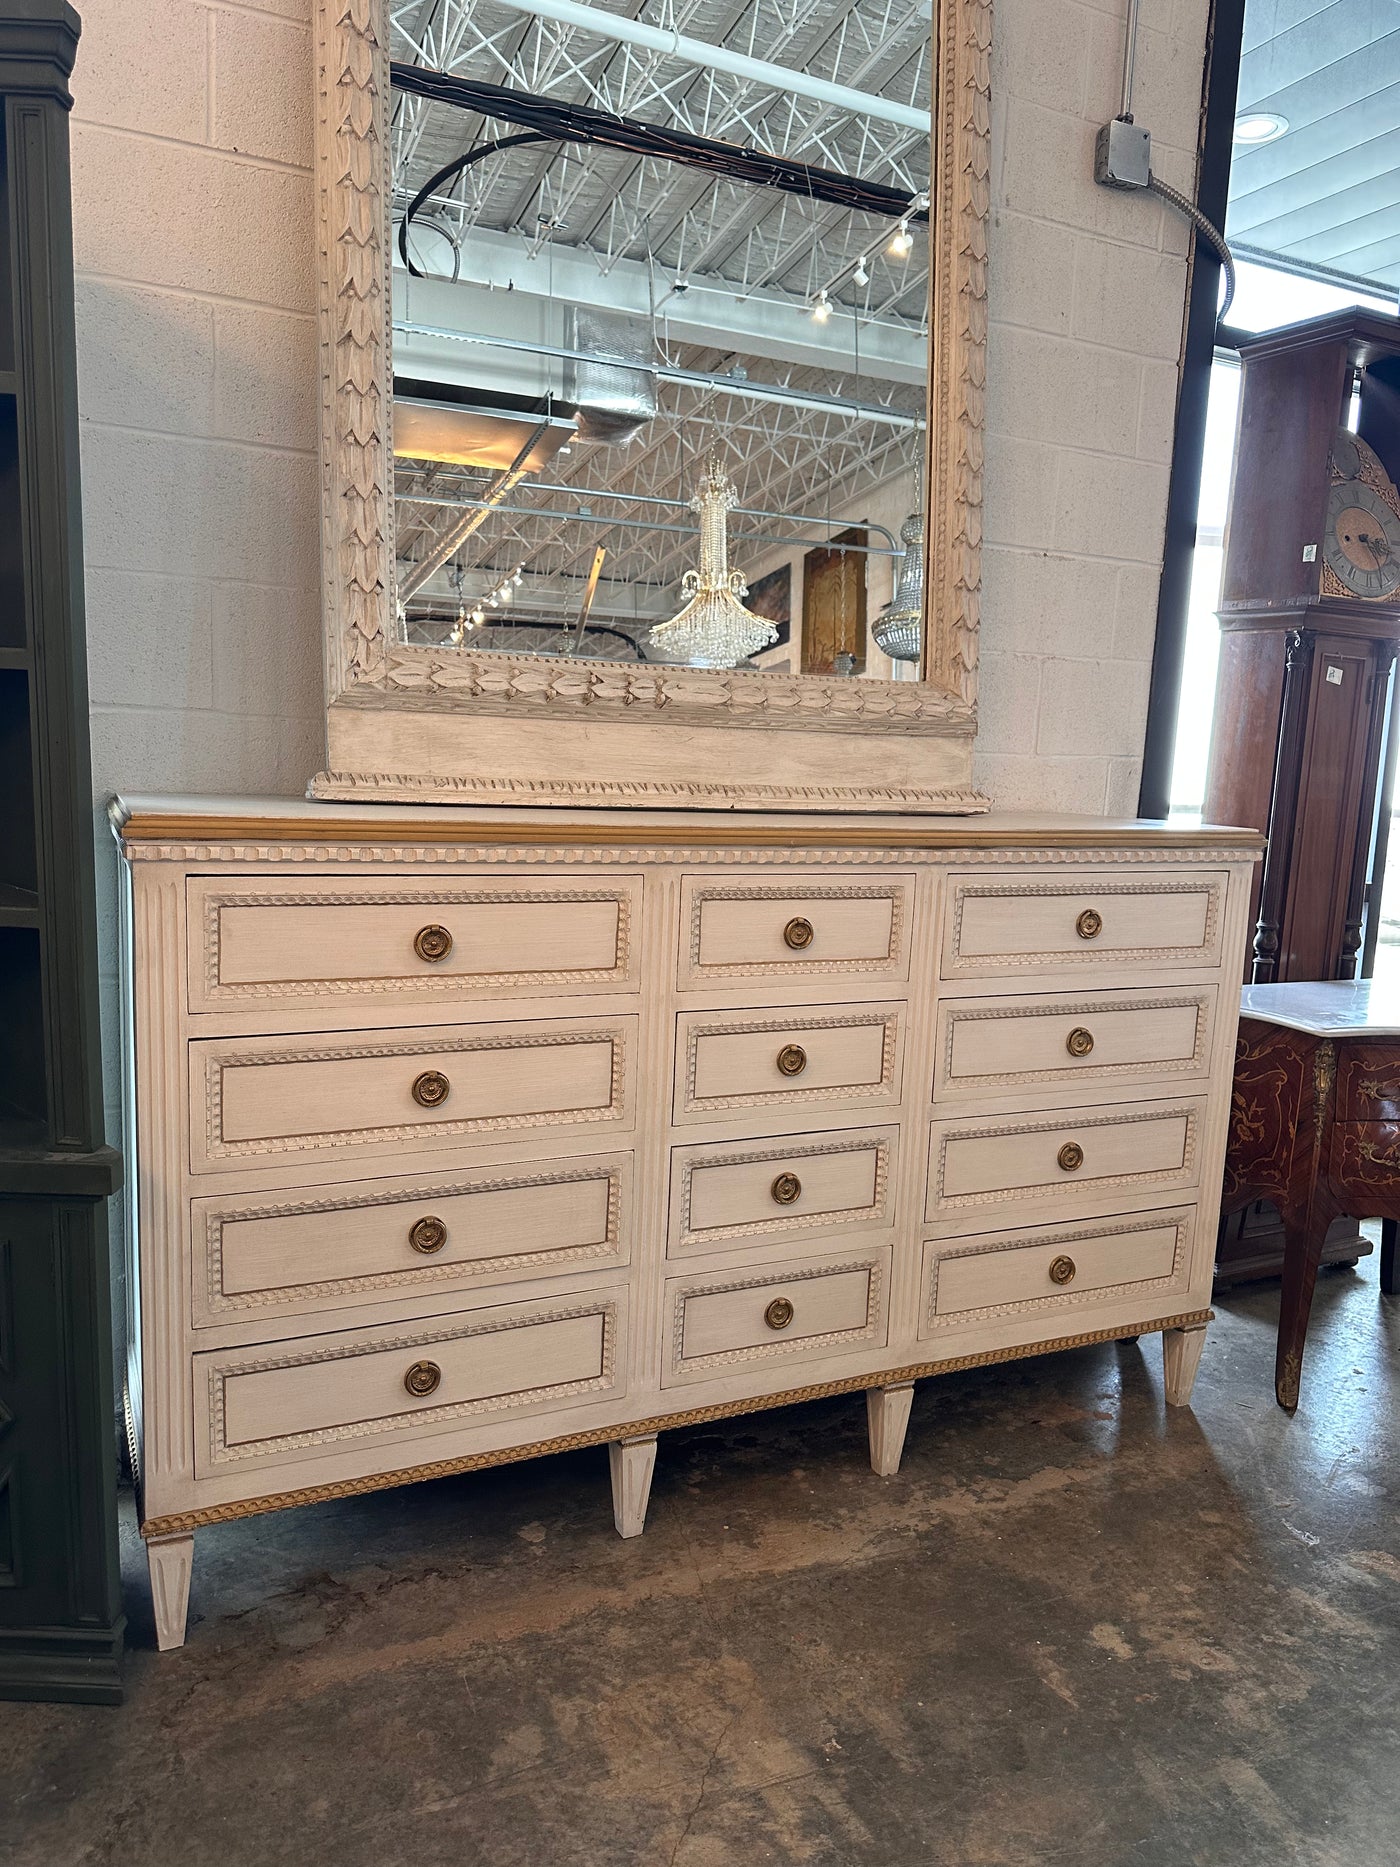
(714, 630)
(900, 627)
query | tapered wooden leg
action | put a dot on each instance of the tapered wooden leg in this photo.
(1390, 1284)
(632, 1462)
(1304, 1233)
(887, 1411)
(170, 1560)
(1181, 1356)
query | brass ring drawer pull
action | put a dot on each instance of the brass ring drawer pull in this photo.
(792, 1059)
(1070, 1157)
(428, 1234)
(422, 1379)
(432, 943)
(786, 1189)
(778, 1314)
(1089, 925)
(1079, 1042)
(798, 933)
(431, 1089)
(1062, 1270)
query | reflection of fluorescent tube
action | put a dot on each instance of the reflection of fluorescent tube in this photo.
(457, 535)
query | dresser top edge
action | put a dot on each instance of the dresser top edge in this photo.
(140, 820)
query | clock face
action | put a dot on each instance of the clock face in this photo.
(1362, 546)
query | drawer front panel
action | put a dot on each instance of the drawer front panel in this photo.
(260, 1402)
(1368, 1082)
(742, 1059)
(287, 938)
(736, 930)
(259, 1255)
(798, 1310)
(263, 1097)
(766, 1191)
(1364, 1161)
(1062, 1157)
(990, 1045)
(1055, 1267)
(1084, 921)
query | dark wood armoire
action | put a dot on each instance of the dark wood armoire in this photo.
(61, 1623)
(1310, 620)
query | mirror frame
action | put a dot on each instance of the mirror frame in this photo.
(408, 723)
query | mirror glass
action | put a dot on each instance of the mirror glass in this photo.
(656, 401)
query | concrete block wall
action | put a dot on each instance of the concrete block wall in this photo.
(1087, 292)
(193, 205)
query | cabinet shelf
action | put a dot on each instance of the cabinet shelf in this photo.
(14, 658)
(19, 907)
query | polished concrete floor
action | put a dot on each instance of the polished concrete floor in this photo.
(1075, 1632)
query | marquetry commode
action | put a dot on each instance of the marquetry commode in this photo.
(461, 1135)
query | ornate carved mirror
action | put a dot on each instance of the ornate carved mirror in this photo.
(652, 357)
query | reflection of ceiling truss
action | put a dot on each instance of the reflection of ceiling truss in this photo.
(751, 244)
(813, 462)
(617, 205)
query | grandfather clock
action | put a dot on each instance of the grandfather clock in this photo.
(1310, 621)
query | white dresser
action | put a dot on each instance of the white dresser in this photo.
(462, 1135)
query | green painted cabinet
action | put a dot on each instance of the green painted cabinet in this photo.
(61, 1622)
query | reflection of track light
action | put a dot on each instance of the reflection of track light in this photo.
(860, 276)
(902, 245)
(821, 308)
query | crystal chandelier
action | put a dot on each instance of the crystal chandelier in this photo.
(899, 630)
(714, 630)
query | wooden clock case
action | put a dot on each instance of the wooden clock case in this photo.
(1304, 678)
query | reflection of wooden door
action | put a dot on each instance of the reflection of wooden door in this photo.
(833, 605)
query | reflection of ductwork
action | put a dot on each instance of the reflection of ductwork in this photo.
(610, 380)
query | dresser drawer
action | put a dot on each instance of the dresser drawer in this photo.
(988, 1046)
(858, 927)
(265, 1097)
(1062, 1158)
(745, 1059)
(798, 1310)
(766, 1190)
(266, 1401)
(1091, 919)
(1055, 1267)
(258, 1254)
(285, 938)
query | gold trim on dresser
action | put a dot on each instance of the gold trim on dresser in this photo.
(178, 1522)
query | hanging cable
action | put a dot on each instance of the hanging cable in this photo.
(449, 172)
(1208, 231)
(548, 119)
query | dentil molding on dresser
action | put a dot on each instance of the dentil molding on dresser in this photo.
(464, 1135)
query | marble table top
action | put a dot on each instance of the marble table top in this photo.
(1327, 1007)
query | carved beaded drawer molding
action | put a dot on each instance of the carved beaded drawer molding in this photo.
(456, 1136)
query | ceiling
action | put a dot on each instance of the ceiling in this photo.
(1325, 194)
(750, 260)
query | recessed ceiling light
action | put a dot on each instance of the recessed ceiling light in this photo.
(1260, 126)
